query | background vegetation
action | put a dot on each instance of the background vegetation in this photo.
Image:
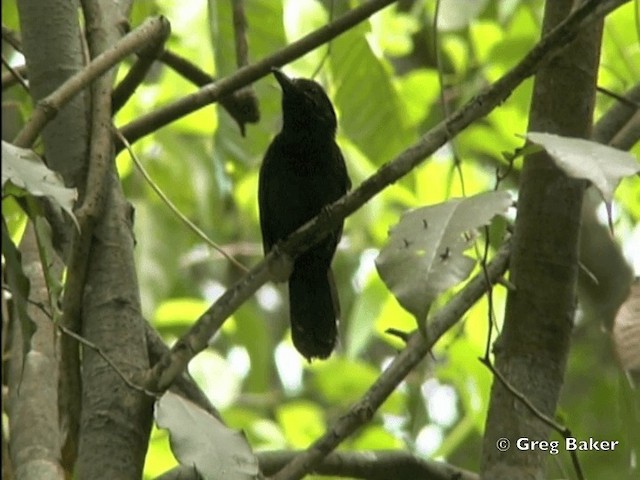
(388, 87)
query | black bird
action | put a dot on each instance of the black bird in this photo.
(302, 172)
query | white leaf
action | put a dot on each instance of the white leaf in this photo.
(602, 165)
(200, 440)
(424, 256)
(457, 14)
(26, 170)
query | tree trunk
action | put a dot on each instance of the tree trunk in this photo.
(532, 349)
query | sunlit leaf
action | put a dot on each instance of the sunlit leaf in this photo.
(180, 311)
(26, 170)
(302, 422)
(425, 253)
(457, 14)
(602, 165)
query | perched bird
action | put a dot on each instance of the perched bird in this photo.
(302, 172)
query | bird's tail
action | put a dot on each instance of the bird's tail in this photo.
(314, 309)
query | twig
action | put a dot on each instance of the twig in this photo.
(620, 98)
(242, 108)
(616, 118)
(240, 33)
(506, 284)
(185, 386)
(137, 72)
(15, 74)
(106, 358)
(9, 79)
(192, 226)
(485, 273)
(186, 68)
(328, 50)
(562, 430)
(246, 94)
(48, 107)
(444, 105)
(12, 38)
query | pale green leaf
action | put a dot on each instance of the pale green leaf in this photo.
(200, 440)
(424, 256)
(602, 165)
(26, 170)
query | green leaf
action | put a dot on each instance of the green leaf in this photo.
(201, 441)
(424, 256)
(47, 259)
(367, 306)
(369, 107)
(179, 311)
(19, 284)
(342, 382)
(302, 422)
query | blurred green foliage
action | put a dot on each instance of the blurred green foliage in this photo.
(383, 79)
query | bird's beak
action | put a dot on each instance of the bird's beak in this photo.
(285, 82)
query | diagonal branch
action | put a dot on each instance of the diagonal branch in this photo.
(418, 345)
(195, 340)
(242, 107)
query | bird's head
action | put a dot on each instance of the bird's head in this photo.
(305, 105)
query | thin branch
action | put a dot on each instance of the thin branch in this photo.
(242, 107)
(185, 386)
(561, 429)
(12, 38)
(211, 93)
(9, 79)
(194, 341)
(614, 120)
(186, 68)
(628, 135)
(417, 347)
(48, 107)
(240, 33)
(137, 72)
(444, 104)
(629, 102)
(106, 358)
(328, 50)
(15, 73)
(192, 226)
(491, 314)
(246, 94)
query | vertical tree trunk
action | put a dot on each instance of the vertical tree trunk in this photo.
(116, 419)
(532, 349)
(53, 54)
(33, 377)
